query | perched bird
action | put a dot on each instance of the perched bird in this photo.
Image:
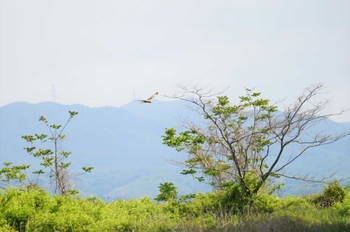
(149, 100)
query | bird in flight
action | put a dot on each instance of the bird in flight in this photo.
(149, 100)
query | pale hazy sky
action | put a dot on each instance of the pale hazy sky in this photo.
(107, 52)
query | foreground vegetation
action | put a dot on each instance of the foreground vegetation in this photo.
(34, 209)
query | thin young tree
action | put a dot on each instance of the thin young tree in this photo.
(245, 144)
(53, 158)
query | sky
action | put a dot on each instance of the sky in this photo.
(111, 52)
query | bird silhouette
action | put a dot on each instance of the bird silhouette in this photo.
(149, 100)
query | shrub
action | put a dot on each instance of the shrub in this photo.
(33, 209)
(344, 207)
(331, 194)
(18, 205)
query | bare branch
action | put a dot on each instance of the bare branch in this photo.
(307, 178)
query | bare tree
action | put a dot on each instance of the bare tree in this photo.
(246, 143)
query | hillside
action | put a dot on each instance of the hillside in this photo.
(124, 145)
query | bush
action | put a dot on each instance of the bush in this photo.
(33, 209)
(331, 194)
(67, 214)
(19, 205)
(344, 207)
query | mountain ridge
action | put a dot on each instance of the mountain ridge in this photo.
(124, 145)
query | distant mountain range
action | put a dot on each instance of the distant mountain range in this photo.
(124, 145)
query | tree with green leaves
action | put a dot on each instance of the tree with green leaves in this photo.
(53, 158)
(245, 145)
(168, 191)
(13, 173)
(332, 193)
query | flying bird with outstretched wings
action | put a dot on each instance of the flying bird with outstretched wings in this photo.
(149, 100)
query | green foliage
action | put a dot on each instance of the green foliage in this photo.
(34, 209)
(230, 148)
(344, 207)
(19, 205)
(168, 191)
(10, 173)
(87, 169)
(331, 194)
(53, 159)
